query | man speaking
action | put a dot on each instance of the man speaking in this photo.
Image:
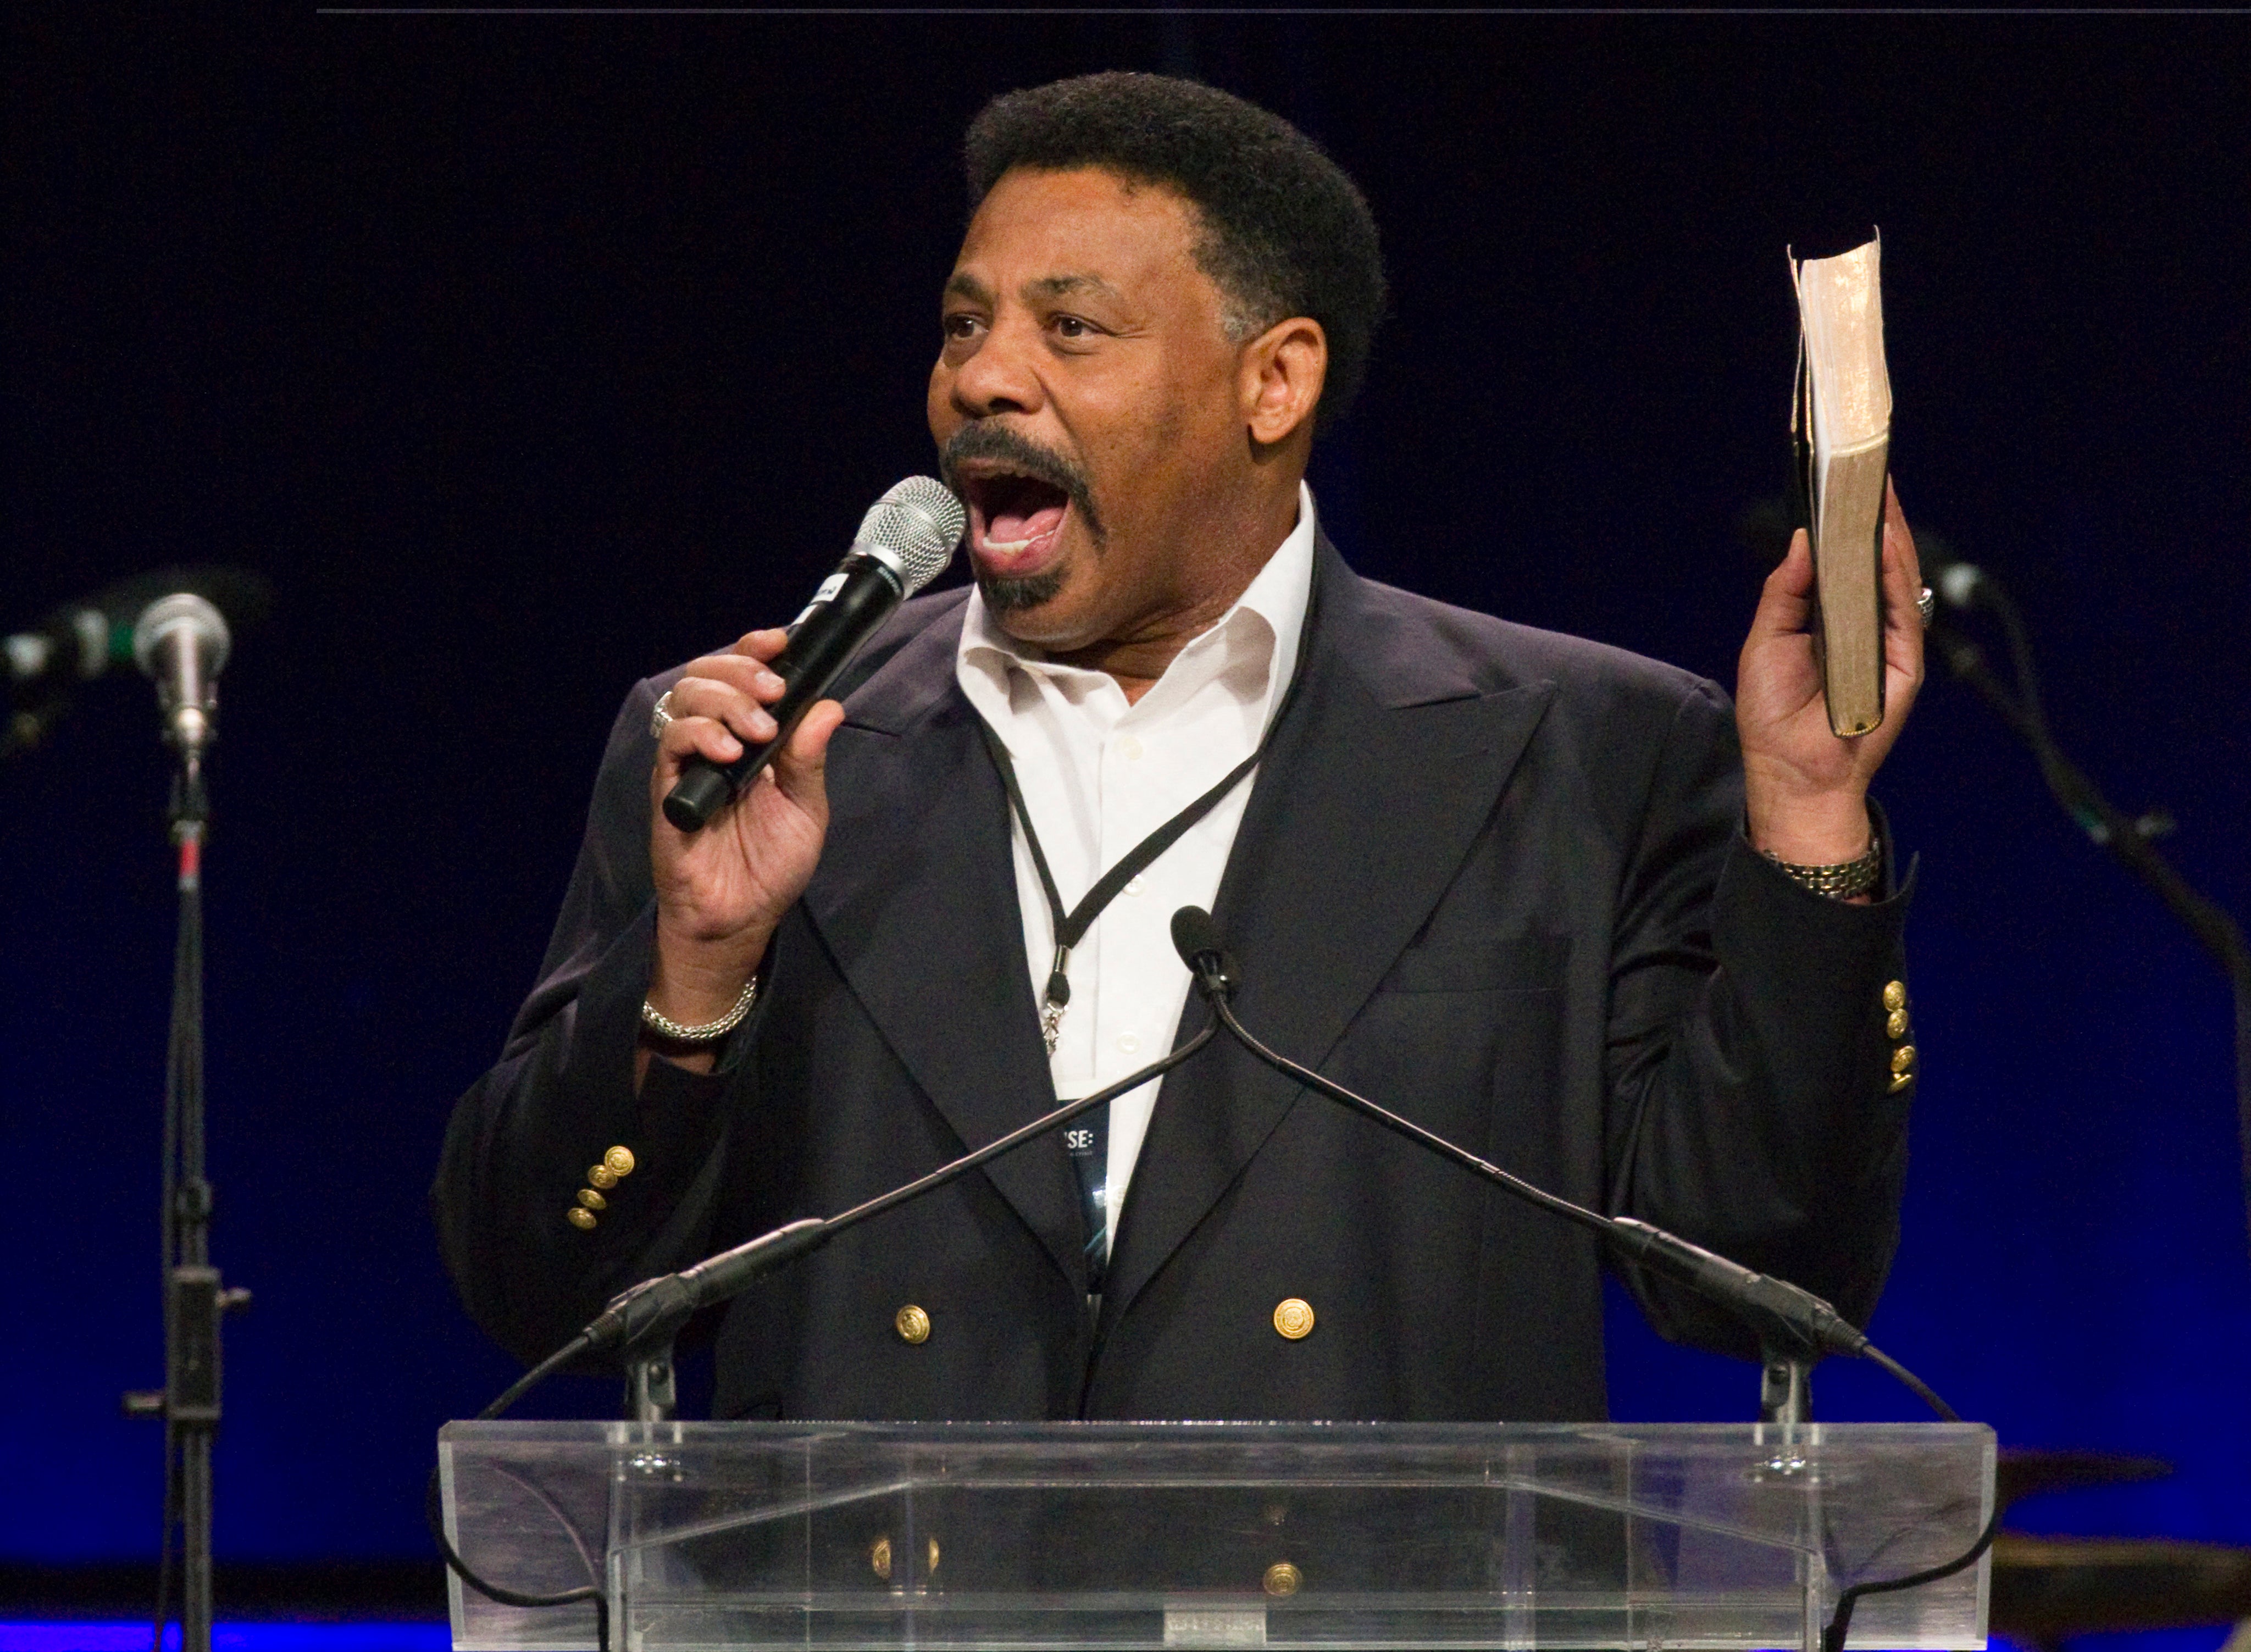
(1556, 903)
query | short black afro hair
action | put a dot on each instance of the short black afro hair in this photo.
(1287, 233)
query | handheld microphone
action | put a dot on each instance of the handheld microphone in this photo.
(904, 543)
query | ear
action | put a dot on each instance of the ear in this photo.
(1280, 378)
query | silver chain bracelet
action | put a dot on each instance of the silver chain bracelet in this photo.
(1843, 880)
(712, 1031)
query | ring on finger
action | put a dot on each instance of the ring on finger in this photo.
(1926, 604)
(660, 715)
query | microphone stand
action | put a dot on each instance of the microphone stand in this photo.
(2127, 839)
(195, 1300)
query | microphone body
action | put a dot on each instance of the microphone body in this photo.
(181, 642)
(903, 545)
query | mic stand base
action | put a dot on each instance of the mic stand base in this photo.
(652, 1395)
(1786, 1390)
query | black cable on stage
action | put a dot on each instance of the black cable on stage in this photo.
(1840, 1621)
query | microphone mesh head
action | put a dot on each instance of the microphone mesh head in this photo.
(184, 611)
(919, 522)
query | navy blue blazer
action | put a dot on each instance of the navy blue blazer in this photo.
(1493, 877)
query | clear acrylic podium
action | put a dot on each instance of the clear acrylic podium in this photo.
(1159, 1534)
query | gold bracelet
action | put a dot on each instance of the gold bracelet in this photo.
(712, 1031)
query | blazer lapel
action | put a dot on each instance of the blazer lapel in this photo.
(916, 900)
(1388, 765)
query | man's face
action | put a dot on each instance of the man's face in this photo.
(1085, 406)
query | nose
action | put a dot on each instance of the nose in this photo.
(998, 377)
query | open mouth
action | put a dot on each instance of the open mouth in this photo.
(1015, 522)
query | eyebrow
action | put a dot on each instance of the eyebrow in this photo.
(962, 284)
(1064, 286)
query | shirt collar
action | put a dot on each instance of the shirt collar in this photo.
(1269, 615)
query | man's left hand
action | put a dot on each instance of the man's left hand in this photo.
(1804, 788)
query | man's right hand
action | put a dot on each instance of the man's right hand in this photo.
(721, 891)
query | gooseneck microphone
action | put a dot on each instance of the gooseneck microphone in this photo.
(648, 1316)
(642, 1321)
(905, 542)
(1786, 1317)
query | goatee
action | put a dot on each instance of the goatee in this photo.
(1010, 596)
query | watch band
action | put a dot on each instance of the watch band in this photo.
(1843, 880)
(712, 1031)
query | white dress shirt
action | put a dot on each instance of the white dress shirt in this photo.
(1097, 776)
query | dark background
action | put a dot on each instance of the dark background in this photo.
(530, 355)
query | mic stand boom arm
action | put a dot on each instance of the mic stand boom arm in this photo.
(2128, 840)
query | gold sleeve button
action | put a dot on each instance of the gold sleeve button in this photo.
(1294, 1317)
(581, 1218)
(1895, 1024)
(1895, 995)
(619, 1160)
(1899, 1081)
(1903, 1058)
(592, 1200)
(911, 1324)
(602, 1175)
(1282, 1577)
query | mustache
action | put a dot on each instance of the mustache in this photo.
(983, 440)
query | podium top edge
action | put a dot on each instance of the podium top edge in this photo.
(1453, 1435)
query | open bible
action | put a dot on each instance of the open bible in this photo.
(1840, 430)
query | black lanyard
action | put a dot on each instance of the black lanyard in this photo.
(1070, 927)
(1088, 1143)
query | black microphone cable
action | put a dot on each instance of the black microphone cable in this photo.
(652, 1312)
(1766, 1304)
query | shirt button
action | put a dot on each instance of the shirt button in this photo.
(1129, 1042)
(1130, 749)
(1136, 883)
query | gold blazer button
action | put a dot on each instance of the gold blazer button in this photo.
(602, 1175)
(1282, 1577)
(580, 1217)
(911, 1324)
(620, 1160)
(1895, 995)
(1294, 1317)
